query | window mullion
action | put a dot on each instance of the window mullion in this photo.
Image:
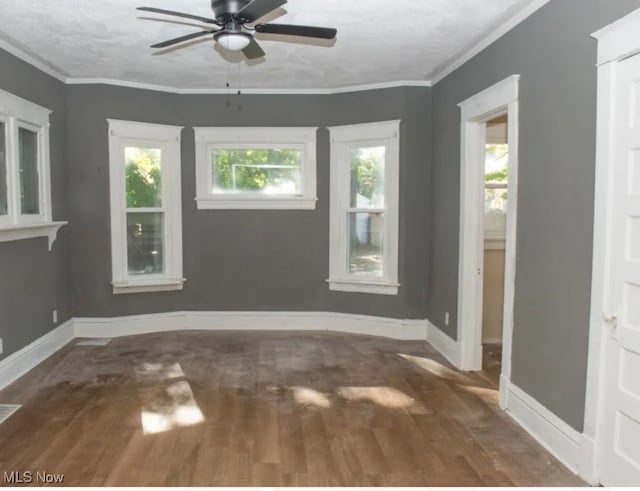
(146, 210)
(366, 210)
(13, 171)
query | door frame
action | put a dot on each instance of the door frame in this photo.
(616, 42)
(475, 111)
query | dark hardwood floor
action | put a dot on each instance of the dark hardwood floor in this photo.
(266, 409)
(492, 361)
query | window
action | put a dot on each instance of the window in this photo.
(364, 208)
(495, 195)
(256, 168)
(146, 216)
(25, 196)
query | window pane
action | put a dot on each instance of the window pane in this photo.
(143, 177)
(365, 243)
(495, 212)
(496, 163)
(3, 171)
(145, 243)
(367, 177)
(28, 157)
(495, 194)
(255, 170)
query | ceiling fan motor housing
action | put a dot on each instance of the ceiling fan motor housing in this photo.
(225, 9)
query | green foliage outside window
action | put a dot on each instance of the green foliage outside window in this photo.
(500, 175)
(143, 177)
(497, 152)
(367, 173)
(254, 169)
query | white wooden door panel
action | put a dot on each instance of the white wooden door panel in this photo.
(620, 452)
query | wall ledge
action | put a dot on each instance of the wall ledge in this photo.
(9, 233)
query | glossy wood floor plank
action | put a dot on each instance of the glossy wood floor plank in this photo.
(267, 409)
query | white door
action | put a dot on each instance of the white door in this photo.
(620, 451)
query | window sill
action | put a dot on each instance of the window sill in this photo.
(148, 286)
(286, 203)
(494, 243)
(376, 287)
(22, 231)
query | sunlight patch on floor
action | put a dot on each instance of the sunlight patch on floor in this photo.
(166, 408)
(310, 397)
(490, 396)
(436, 368)
(159, 371)
(169, 404)
(388, 397)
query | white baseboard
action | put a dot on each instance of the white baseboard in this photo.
(449, 348)
(570, 447)
(260, 321)
(573, 449)
(16, 365)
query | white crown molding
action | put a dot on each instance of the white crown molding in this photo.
(32, 60)
(248, 91)
(58, 74)
(16, 365)
(436, 76)
(485, 40)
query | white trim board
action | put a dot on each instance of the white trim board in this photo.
(33, 60)
(616, 42)
(266, 91)
(490, 37)
(449, 348)
(572, 448)
(16, 365)
(258, 321)
(500, 98)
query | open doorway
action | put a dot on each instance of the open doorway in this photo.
(483, 203)
(496, 183)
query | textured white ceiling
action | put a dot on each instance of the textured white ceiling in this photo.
(378, 41)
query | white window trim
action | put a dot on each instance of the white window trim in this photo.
(211, 137)
(17, 113)
(342, 139)
(121, 134)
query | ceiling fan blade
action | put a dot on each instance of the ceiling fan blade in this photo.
(259, 8)
(304, 31)
(171, 42)
(178, 14)
(253, 51)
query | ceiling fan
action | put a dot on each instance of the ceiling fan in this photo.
(234, 23)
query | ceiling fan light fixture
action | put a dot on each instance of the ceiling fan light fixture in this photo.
(233, 41)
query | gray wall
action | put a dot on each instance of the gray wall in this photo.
(244, 260)
(554, 54)
(33, 281)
